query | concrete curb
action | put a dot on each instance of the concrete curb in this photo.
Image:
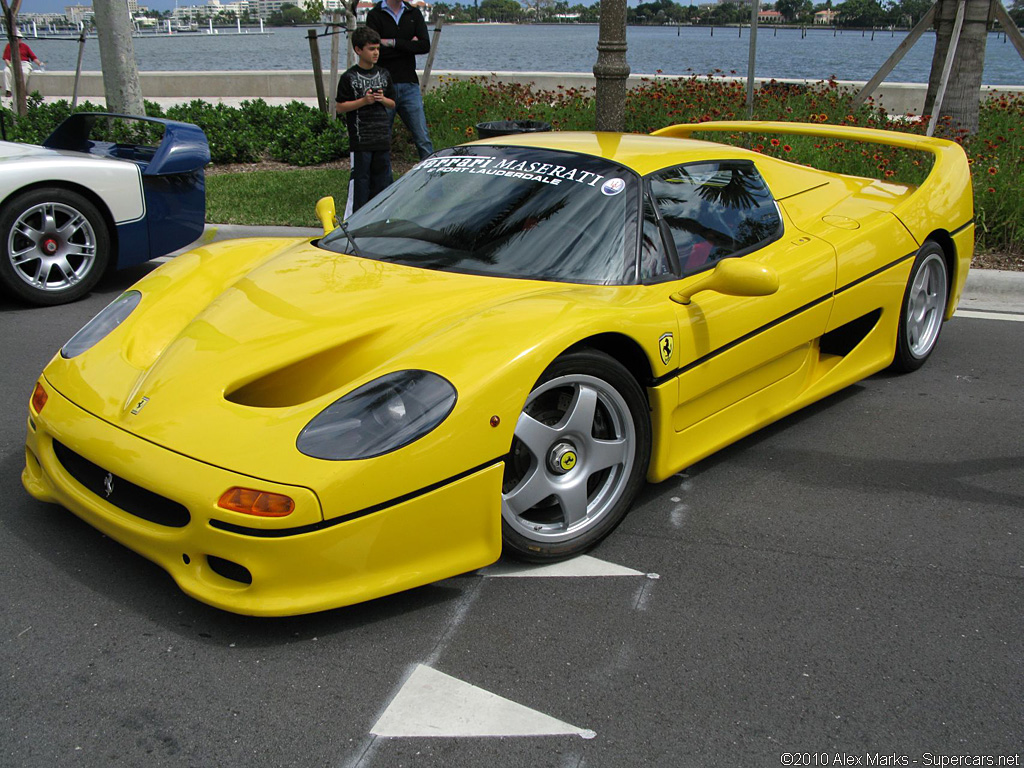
(996, 282)
(997, 290)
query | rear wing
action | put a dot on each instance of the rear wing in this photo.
(944, 200)
(183, 149)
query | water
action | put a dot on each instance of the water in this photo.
(850, 55)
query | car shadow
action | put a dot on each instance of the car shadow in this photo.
(124, 577)
(652, 492)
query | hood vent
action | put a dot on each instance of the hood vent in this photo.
(312, 377)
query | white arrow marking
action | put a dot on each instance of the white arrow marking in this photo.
(433, 704)
(584, 565)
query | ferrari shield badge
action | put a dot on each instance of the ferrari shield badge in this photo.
(666, 345)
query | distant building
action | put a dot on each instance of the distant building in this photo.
(826, 17)
(769, 17)
(78, 14)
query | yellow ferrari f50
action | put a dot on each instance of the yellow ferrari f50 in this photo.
(492, 355)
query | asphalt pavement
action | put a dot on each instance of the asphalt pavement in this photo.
(841, 588)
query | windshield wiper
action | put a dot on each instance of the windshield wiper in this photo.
(351, 240)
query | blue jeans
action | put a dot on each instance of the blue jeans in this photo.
(409, 106)
(371, 174)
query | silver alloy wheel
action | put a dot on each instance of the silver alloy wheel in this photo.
(52, 246)
(926, 305)
(575, 444)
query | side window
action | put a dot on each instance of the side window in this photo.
(654, 262)
(715, 210)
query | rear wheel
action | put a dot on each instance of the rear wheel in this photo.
(924, 305)
(55, 246)
(578, 458)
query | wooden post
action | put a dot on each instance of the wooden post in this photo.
(425, 82)
(318, 72)
(752, 55)
(901, 50)
(1009, 27)
(335, 34)
(78, 69)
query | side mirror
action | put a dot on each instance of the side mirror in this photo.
(733, 277)
(327, 212)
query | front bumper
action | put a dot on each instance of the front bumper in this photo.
(290, 565)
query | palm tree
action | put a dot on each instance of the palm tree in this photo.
(963, 88)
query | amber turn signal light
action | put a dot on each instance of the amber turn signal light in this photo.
(39, 398)
(259, 503)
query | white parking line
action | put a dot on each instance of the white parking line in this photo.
(975, 314)
(433, 704)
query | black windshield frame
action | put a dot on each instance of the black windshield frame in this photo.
(505, 211)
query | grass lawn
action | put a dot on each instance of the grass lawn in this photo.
(282, 198)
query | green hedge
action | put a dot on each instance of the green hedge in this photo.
(295, 134)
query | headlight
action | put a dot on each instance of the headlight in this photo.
(379, 417)
(107, 320)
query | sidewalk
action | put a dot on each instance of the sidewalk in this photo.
(991, 290)
(995, 290)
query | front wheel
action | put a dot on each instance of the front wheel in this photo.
(55, 246)
(924, 305)
(578, 458)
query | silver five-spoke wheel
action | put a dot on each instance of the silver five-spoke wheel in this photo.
(924, 305)
(578, 457)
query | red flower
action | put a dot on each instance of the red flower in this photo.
(993, 171)
(775, 142)
(786, 148)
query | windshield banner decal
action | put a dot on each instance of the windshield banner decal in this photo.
(546, 173)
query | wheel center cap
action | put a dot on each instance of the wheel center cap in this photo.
(50, 246)
(562, 458)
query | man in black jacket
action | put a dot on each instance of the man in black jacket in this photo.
(403, 35)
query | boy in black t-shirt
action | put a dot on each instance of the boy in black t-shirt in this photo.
(365, 93)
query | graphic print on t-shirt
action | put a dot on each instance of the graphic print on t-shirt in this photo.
(368, 126)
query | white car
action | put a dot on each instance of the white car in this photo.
(76, 207)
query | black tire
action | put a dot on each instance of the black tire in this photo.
(55, 246)
(579, 457)
(923, 308)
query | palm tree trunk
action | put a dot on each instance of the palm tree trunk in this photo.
(963, 90)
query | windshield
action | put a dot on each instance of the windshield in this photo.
(504, 211)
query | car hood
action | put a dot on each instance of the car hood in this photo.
(234, 347)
